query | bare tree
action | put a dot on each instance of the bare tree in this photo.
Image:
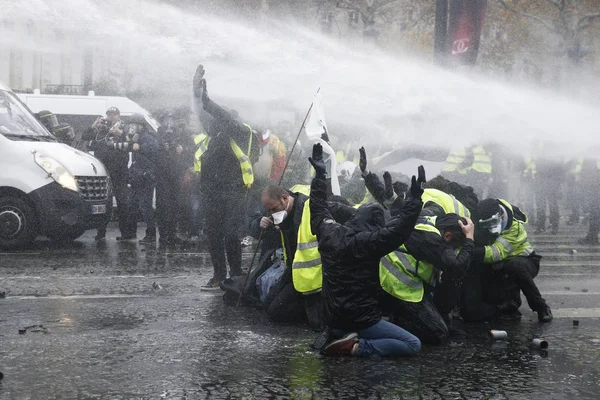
(366, 10)
(568, 19)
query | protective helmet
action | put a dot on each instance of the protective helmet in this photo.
(47, 118)
(64, 132)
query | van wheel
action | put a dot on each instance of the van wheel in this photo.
(18, 223)
(67, 236)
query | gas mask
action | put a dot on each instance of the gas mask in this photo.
(494, 225)
(280, 216)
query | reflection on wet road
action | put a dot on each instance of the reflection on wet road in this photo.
(112, 335)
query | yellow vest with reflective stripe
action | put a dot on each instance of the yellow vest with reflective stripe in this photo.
(202, 140)
(454, 161)
(482, 162)
(448, 202)
(307, 270)
(402, 276)
(304, 189)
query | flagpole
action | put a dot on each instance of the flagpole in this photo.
(279, 184)
(287, 162)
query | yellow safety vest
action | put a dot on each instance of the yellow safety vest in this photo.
(455, 160)
(307, 270)
(202, 140)
(576, 167)
(448, 202)
(530, 169)
(482, 162)
(402, 276)
(304, 189)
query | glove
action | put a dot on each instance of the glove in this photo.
(415, 188)
(389, 189)
(317, 160)
(363, 161)
(400, 188)
(200, 84)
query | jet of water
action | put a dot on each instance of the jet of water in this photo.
(379, 96)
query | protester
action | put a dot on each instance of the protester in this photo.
(350, 254)
(225, 176)
(297, 295)
(507, 260)
(422, 279)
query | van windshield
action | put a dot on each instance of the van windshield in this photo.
(17, 122)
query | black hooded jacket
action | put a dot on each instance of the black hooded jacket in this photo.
(350, 254)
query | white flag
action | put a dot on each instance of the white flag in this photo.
(315, 127)
(316, 124)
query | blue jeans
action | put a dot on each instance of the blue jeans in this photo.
(385, 339)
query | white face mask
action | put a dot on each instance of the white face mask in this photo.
(279, 216)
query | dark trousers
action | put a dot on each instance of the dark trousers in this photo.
(422, 319)
(489, 285)
(593, 194)
(290, 306)
(225, 213)
(127, 224)
(167, 207)
(143, 193)
(574, 198)
(547, 192)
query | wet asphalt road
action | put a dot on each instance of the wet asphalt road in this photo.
(111, 335)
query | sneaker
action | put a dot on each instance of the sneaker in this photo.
(321, 341)
(126, 238)
(212, 284)
(247, 241)
(148, 240)
(345, 346)
(545, 314)
(100, 236)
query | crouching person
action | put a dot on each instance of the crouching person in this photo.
(350, 256)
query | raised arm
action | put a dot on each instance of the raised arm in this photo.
(320, 215)
(211, 113)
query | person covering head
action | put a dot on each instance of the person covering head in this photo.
(450, 227)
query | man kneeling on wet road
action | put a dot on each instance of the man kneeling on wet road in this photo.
(350, 256)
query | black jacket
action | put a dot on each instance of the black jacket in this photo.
(350, 254)
(104, 149)
(430, 247)
(289, 227)
(220, 167)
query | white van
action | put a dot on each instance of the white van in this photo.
(46, 188)
(81, 111)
